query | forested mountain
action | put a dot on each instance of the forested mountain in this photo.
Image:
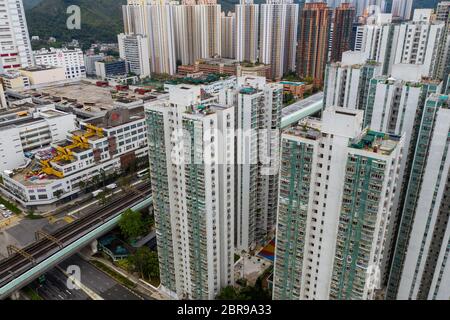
(101, 20)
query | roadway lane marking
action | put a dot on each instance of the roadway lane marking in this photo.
(114, 268)
(89, 292)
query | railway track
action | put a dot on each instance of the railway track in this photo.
(17, 264)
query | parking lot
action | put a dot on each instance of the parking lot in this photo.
(5, 213)
(6, 216)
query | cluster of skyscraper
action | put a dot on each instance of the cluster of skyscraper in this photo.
(359, 198)
(181, 33)
(214, 173)
(389, 232)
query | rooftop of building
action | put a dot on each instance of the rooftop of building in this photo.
(230, 62)
(86, 96)
(308, 128)
(355, 64)
(31, 175)
(116, 117)
(81, 93)
(376, 142)
(217, 61)
(26, 113)
(441, 98)
(38, 68)
(44, 51)
(248, 90)
(368, 140)
(202, 110)
(109, 60)
(407, 82)
(11, 74)
(204, 79)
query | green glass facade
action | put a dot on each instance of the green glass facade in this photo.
(424, 137)
(362, 192)
(295, 183)
(196, 213)
(160, 190)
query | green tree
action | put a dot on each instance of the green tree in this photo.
(288, 98)
(229, 293)
(131, 224)
(95, 181)
(124, 183)
(256, 292)
(146, 263)
(308, 79)
(101, 197)
(82, 184)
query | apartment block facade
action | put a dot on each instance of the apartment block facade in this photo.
(15, 46)
(191, 150)
(420, 268)
(228, 29)
(442, 70)
(134, 49)
(312, 52)
(198, 30)
(336, 191)
(258, 120)
(247, 35)
(278, 36)
(347, 81)
(414, 42)
(153, 20)
(344, 16)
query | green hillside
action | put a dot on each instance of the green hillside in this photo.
(101, 20)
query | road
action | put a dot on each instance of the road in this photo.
(54, 287)
(100, 282)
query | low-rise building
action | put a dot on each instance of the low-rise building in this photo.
(109, 67)
(100, 147)
(43, 75)
(26, 127)
(70, 59)
(89, 62)
(13, 79)
(225, 66)
(297, 89)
